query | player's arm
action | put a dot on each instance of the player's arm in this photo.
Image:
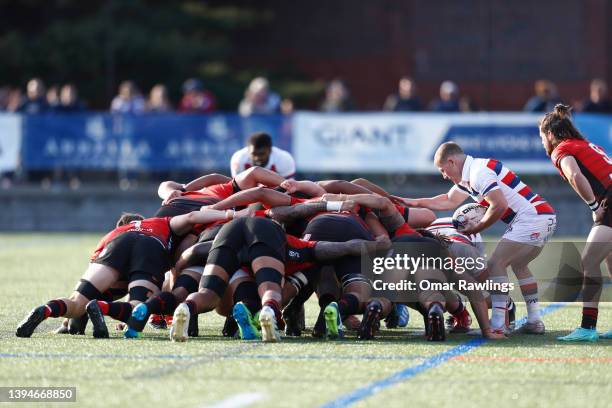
(342, 187)
(443, 202)
(389, 216)
(375, 188)
(497, 207)
(305, 210)
(326, 251)
(580, 184)
(182, 224)
(268, 197)
(304, 186)
(258, 175)
(167, 189)
(205, 181)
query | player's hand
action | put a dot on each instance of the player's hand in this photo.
(333, 197)
(171, 196)
(408, 202)
(348, 205)
(245, 212)
(470, 229)
(290, 185)
(383, 241)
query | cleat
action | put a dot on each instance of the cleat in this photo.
(392, 319)
(459, 324)
(293, 321)
(434, 328)
(269, 328)
(100, 331)
(318, 329)
(581, 334)
(403, 314)
(180, 323)
(511, 316)
(29, 324)
(371, 320)
(333, 323)
(607, 335)
(158, 322)
(137, 321)
(230, 328)
(131, 333)
(76, 325)
(246, 325)
(536, 327)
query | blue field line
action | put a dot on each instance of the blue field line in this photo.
(191, 357)
(431, 362)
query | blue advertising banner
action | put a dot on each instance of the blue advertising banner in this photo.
(143, 142)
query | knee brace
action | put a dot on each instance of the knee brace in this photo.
(187, 282)
(214, 283)
(88, 290)
(265, 275)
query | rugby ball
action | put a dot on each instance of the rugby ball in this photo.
(468, 215)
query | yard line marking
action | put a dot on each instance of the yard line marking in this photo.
(535, 359)
(410, 372)
(239, 400)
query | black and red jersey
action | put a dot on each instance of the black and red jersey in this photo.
(208, 195)
(594, 164)
(300, 254)
(157, 228)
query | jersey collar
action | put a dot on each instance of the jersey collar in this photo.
(465, 173)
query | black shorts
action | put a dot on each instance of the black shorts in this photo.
(209, 234)
(339, 228)
(131, 253)
(258, 236)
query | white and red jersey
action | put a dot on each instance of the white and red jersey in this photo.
(481, 176)
(280, 162)
(444, 226)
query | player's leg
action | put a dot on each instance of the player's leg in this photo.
(597, 250)
(247, 304)
(96, 280)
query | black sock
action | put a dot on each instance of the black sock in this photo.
(120, 311)
(459, 308)
(348, 305)
(246, 293)
(55, 308)
(589, 317)
(325, 300)
(163, 303)
(192, 307)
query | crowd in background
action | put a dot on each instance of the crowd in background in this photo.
(259, 98)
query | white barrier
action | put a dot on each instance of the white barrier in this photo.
(10, 141)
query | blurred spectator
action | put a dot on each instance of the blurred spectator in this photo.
(598, 101)
(52, 97)
(35, 101)
(286, 106)
(259, 99)
(196, 99)
(405, 99)
(15, 98)
(129, 99)
(69, 100)
(449, 98)
(158, 99)
(545, 98)
(337, 97)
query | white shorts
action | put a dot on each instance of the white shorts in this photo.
(535, 230)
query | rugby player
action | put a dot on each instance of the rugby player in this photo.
(588, 169)
(531, 222)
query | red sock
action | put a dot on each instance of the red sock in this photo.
(103, 307)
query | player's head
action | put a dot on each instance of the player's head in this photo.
(126, 218)
(556, 127)
(449, 159)
(260, 147)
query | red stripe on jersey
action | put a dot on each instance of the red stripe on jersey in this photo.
(508, 178)
(525, 191)
(544, 208)
(405, 229)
